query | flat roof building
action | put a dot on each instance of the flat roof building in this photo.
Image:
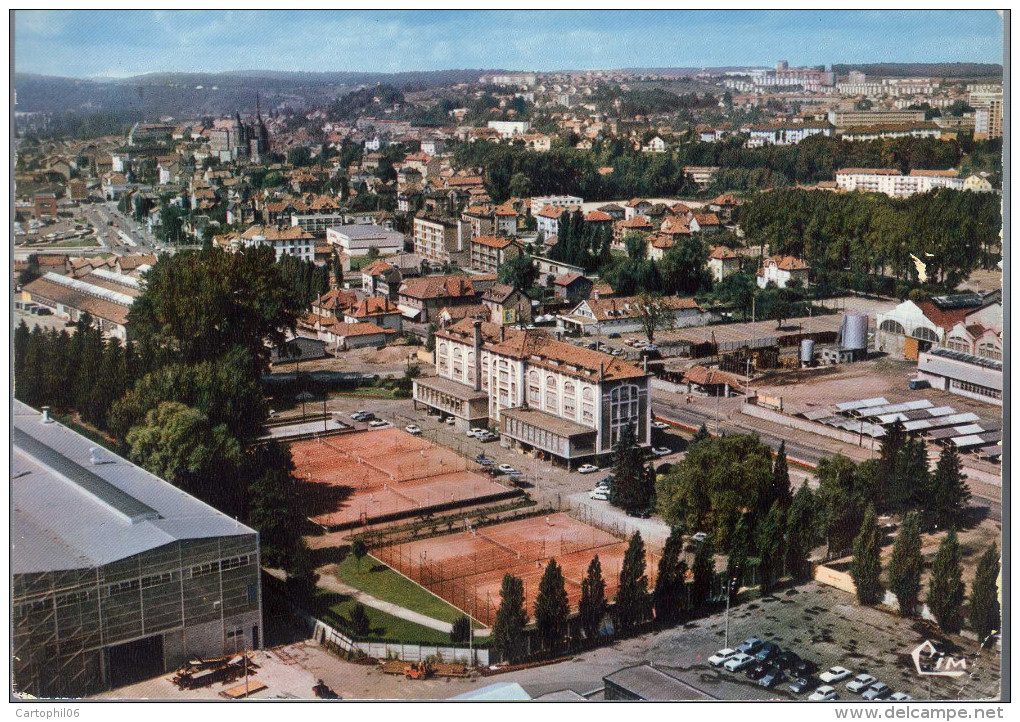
(117, 575)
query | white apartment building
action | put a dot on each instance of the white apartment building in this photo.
(566, 402)
(537, 204)
(442, 240)
(893, 183)
(786, 134)
(510, 128)
(292, 241)
(987, 114)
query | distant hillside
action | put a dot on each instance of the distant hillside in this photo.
(193, 94)
(934, 70)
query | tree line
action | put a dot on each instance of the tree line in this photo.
(850, 239)
(672, 599)
(568, 170)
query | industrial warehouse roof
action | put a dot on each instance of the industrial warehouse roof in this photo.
(76, 506)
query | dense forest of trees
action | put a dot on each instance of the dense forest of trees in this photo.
(851, 238)
(569, 170)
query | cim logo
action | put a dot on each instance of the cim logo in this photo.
(932, 663)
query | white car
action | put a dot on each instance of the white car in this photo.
(507, 469)
(719, 658)
(413, 429)
(878, 690)
(737, 662)
(899, 697)
(599, 494)
(660, 425)
(476, 432)
(377, 423)
(450, 421)
(860, 683)
(359, 412)
(587, 469)
(661, 451)
(835, 674)
(824, 694)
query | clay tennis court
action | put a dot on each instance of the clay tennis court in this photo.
(355, 478)
(467, 568)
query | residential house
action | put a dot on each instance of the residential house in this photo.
(623, 315)
(507, 305)
(420, 299)
(780, 270)
(334, 303)
(488, 253)
(292, 241)
(572, 287)
(722, 262)
(378, 310)
(379, 278)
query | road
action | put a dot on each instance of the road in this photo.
(101, 215)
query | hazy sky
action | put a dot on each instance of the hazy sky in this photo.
(84, 43)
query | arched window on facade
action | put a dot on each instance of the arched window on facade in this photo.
(892, 327)
(534, 389)
(925, 334)
(588, 406)
(552, 395)
(989, 349)
(569, 400)
(444, 358)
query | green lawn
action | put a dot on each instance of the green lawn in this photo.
(383, 583)
(337, 607)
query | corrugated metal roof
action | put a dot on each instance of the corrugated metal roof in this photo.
(962, 371)
(864, 403)
(69, 513)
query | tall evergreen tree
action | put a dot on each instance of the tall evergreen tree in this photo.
(910, 478)
(770, 547)
(552, 607)
(906, 565)
(740, 550)
(945, 587)
(946, 501)
(670, 581)
(592, 609)
(866, 567)
(511, 618)
(21, 340)
(779, 490)
(272, 510)
(632, 602)
(703, 570)
(800, 533)
(700, 435)
(629, 490)
(888, 457)
(985, 612)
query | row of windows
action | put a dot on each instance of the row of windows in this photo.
(976, 389)
(212, 567)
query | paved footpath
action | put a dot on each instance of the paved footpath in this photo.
(328, 580)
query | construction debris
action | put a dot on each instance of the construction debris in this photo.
(203, 672)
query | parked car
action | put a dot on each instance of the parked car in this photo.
(599, 494)
(719, 658)
(362, 415)
(661, 451)
(376, 423)
(640, 513)
(751, 645)
(805, 668)
(413, 429)
(476, 432)
(824, 694)
(767, 652)
(835, 674)
(587, 469)
(772, 677)
(879, 690)
(738, 662)
(449, 421)
(860, 683)
(484, 460)
(802, 685)
(701, 537)
(507, 469)
(756, 671)
(788, 660)
(487, 436)
(613, 335)
(899, 697)
(660, 425)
